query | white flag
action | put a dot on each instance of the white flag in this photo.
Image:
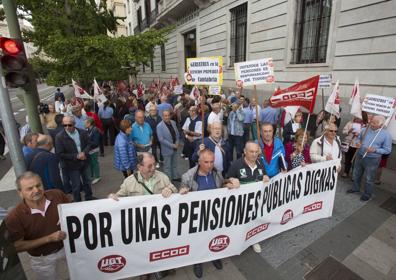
(333, 103)
(98, 94)
(292, 110)
(356, 105)
(80, 92)
(194, 93)
(391, 127)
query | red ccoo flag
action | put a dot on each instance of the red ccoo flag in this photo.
(300, 94)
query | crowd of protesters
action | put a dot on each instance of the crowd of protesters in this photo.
(216, 135)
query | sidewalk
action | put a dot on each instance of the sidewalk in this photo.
(360, 238)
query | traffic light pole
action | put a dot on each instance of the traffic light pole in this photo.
(30, 93)
(10, 129)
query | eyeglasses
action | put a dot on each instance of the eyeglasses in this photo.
(68, 125)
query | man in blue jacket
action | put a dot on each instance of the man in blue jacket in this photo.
(168, 136)
(273, 152)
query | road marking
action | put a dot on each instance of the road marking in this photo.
(16, 113)
(7, 183)
(22, 109)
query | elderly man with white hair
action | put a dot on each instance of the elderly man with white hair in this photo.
(373, 143)
(326, 147)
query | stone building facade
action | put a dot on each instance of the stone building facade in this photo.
(350, 39)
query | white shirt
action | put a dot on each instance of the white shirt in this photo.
(147, 108)
(218, 163)
(198, 127)
(329, 149)
(59, 106)
(295, 126)
(213, 117)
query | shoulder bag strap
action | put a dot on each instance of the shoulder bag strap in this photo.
(143, 184)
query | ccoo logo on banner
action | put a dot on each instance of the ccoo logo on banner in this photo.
(109, 239)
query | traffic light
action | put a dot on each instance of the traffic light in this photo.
(14, 62)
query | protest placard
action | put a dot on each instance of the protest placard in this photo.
(324, 81)
(204, 71)
(109, 239)
(379, 105)
(178, 89)
(254, 72)
(214, 90)
(391, 128)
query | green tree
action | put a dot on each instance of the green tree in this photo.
(73, 35)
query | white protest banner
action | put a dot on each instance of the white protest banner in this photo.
(214, 90)
(324, 81)
(204, 71)
(379, 105)
(109, 239)
(254, 72)
(178, 89)
(391, 128)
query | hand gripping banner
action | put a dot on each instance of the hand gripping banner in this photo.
(109, 239)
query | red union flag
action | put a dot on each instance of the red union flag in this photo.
(300, 94)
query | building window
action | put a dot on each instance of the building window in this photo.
(238, 33)
(163, 63)
(139, 19)
(130, 28)
(129, 6)
(147, 8)
(152, 65)
(311, 31)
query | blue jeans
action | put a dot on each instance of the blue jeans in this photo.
(170, 166)
(80, 181)
(368, 165)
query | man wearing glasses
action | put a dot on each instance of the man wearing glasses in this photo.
(72, 145)
(326, 147)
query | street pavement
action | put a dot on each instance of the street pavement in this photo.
(357, 242)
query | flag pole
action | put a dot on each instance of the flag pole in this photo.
(203, 117)
(372, 141)
(376, 135)
(306, 127)
(257, 115)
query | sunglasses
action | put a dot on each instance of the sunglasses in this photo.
(68, 125)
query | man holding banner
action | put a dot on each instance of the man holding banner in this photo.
(249, 169)
(273, 151)
(146, 181)
(373, 143)
(204, 177)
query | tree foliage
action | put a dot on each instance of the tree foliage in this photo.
(73, 34)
